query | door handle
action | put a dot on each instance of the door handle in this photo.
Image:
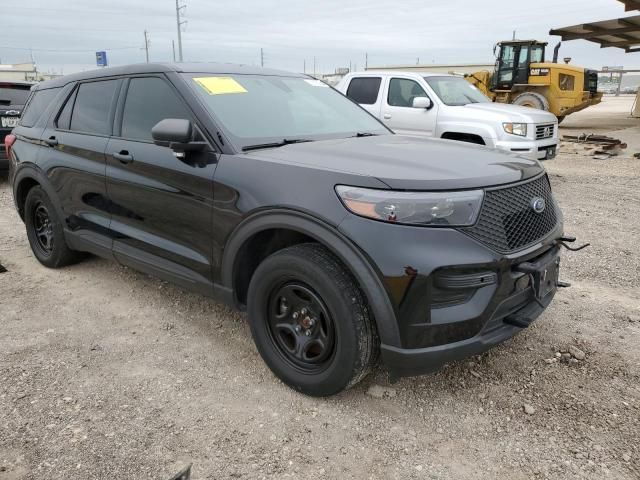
(123, 156)
(51, 141)
(387, 116)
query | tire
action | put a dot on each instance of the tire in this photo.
(533, 100)
(45, 232)
(342, 342)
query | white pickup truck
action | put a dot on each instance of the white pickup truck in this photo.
(447, 106)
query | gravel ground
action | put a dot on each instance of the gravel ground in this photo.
(107, 372)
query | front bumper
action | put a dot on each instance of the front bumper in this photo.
(533, 149)
(431, 330)
(518, 309)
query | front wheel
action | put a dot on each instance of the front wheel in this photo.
(532, 100)
(310, 321)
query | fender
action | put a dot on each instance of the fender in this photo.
(32, 171)
(358, 264)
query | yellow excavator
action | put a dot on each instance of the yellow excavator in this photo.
(523, 77)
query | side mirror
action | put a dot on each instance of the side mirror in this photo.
(422, 102)
(177, 134)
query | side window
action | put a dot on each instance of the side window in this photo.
(402, 92)
(37, 104)
(364, 90)
(64, 119)
(92, 107)
(149, 100)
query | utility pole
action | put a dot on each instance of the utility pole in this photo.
(304, 66)
(173, 47)
(514, 35)
(418, 61)
(261, 57)
(146, 45)
(314, 66)
(179, 23)
(366, 61)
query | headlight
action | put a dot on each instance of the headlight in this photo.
(416, 208)
(519, 129)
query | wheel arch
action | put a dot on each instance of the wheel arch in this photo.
(302, 227)
(24, 180)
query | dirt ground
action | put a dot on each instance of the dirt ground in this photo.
(107, 373)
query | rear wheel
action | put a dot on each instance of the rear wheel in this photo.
(310, 321)
(45, 232)
(533, 100)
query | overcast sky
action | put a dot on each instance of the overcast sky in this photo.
(64, 34)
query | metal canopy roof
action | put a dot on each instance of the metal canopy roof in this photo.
(630, 5)
(621, 32)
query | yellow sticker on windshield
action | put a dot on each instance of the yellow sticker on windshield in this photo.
(219, 85)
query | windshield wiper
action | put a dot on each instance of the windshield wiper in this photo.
(364, 134)
(284, 142)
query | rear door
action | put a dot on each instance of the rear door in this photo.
(162, 207)
(398, 112)
(73, 158)
(367, 92)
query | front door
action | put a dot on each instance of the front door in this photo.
(161, 206)
(399, 114)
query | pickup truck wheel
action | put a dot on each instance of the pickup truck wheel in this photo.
(310, 321)
(533, 100)
(45, 232)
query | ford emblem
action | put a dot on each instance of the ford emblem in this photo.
(538, 204)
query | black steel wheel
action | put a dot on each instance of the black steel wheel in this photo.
(301, 326)
(45, 232)
(310, 321)
(43, 229)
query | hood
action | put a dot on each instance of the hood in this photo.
(510, 113)
(409, 163)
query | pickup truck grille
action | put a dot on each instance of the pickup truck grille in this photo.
(545, 131)
(507, 221)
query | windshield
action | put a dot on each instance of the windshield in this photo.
(259, 109)
(13, 96)
(455, 91)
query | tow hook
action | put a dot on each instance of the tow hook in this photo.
(562, 241)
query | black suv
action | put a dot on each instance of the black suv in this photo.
(273, 192)
(13, 96)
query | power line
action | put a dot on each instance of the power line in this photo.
(62, 50)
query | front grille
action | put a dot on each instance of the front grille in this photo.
(545, 131)
(507, 221)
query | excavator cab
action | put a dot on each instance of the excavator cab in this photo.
(513, 62)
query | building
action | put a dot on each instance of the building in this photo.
(440, 68)
(23, 72)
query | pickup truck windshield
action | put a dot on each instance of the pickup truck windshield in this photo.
(455, 91)
(258, 110)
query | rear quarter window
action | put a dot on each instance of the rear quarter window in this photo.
(364, 90)
(37, 104)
